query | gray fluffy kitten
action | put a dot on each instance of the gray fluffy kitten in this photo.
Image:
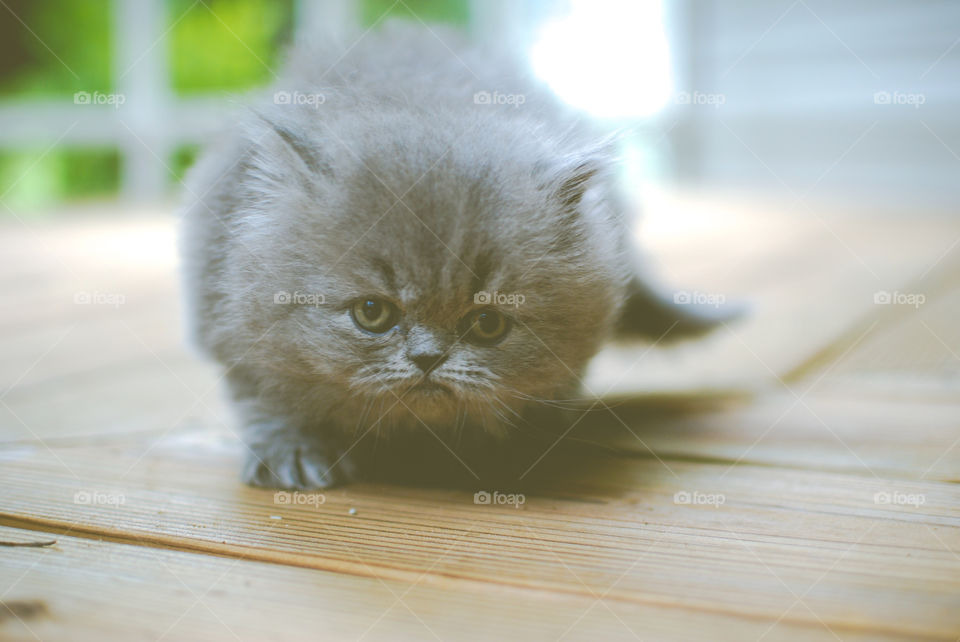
(337, 256)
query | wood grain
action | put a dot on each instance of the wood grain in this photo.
(612, 525)
(180, 595)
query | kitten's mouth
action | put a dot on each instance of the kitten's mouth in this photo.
(429, 388)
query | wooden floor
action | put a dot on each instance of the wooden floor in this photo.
(793, 476)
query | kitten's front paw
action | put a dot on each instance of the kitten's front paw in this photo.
(296, 465)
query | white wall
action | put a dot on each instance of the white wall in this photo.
(797, 80)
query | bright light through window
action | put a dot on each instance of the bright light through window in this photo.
(608, 57)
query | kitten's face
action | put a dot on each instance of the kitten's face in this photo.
(450, 289)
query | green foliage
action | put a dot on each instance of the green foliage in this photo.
(452, 11)
(32, 179)
(68, 50)
(182, 160)
(226, 44)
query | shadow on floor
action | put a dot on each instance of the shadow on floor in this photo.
(546, 455)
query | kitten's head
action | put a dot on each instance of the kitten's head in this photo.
(431, 272)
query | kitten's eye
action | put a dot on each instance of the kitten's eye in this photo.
(374, 315)
(486, 326)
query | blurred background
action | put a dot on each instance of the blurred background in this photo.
(851, 102)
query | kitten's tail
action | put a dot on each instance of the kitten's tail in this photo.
(672, 316)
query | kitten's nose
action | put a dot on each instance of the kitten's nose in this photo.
(428, 361)
(425, 347)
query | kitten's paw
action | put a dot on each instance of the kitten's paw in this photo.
(296, 465)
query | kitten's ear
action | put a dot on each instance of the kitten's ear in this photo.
(571, 176)
(298, 145)
(574, 186)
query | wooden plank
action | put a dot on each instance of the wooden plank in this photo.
(105, 590)
(588, 524)
(49, 262)
(807, 426)
(76, 347)
(155, 392)
(911, 348)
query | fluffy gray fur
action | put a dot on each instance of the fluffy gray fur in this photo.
(400, 185)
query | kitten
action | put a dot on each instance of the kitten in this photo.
(405, 241)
